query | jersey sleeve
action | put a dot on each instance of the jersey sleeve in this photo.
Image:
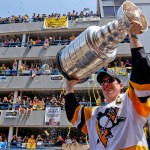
(76, 113)
(139, 85)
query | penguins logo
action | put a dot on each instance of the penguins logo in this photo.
(105, 122)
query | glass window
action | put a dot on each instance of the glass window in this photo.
(109, 11)
(118, 2)
(116, 8)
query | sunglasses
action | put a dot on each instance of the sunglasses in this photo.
(110, 80)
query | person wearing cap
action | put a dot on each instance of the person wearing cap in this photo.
(119, 124)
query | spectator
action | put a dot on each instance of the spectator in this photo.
(3, 144)
(72, 37)
(43, 17)
(81, 14)
(14, 68)
(30, 44)
(127, 63)
(5, 103)
(34, 17)
(10, 100)
(68, 142)
(26, 18)
(38, 41)
(22, 68)
(18, 104)
(31, 143)
(41, 104)
(2, 69)
(59, 41)
(69, 16)
(19, 142)
(35, 103)
(59, 141)
(18, 43)
(74, 142)
(12, 43)
(46, 43)
(39, 141)
(29, 106)
(51, 41)
(25, 140)
(6, 43)
(7, 72)
(39, 18)
(14, 140)
(22, 109)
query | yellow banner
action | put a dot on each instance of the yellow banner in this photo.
(55, 23)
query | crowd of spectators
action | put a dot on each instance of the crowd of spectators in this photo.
(13, 42)
(15, 19)
(42, 68)
(53, 137)
(49, 67)
(120, 63)
(26, 104)
(46, 42)
(28, 69)
(40, 17)
(46, 138)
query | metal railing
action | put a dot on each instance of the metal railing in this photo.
(26, 44)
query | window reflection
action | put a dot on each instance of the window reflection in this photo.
(109, 11)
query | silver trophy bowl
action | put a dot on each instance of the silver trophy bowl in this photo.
(97, 46)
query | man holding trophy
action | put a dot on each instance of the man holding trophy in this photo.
(119, 124)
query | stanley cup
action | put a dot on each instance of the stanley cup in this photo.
(97, 46)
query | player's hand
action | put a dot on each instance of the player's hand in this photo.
(135, 28)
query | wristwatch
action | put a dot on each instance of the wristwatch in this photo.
(134, 36)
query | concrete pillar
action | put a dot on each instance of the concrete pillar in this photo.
(23, 40)
(21, 93)
(15, 96)
(19, 64)
(101, 8)
(25, 62)
(10, 134)
(28, 38)
(16, 131)
(15, 99)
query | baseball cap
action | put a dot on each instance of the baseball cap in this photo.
(102, 74)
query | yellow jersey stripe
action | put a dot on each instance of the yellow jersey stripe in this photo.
(75, 117)
(141, 108)
(140, 87)
(136, 147)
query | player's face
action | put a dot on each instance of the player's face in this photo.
(111, 88)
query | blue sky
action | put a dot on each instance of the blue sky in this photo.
(22, 7)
